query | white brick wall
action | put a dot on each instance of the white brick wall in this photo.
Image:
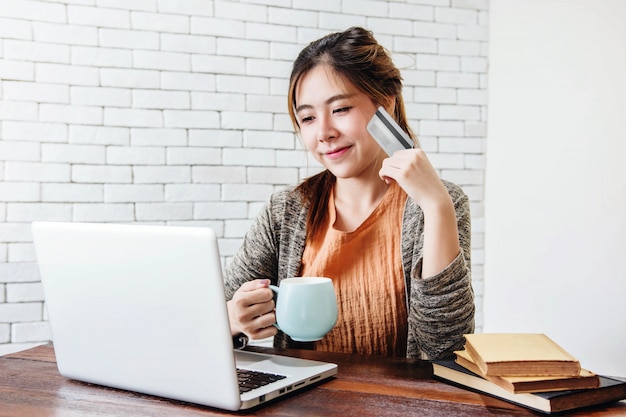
(174, 112)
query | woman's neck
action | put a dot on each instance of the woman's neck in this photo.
(355, 200)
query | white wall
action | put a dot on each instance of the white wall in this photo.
(555, 201)
(174, 112)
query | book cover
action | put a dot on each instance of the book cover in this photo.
(520, 354)
(517, 384)
(610, 390)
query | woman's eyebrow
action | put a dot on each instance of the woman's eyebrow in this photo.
(329, 100)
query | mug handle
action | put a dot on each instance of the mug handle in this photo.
(275, 289)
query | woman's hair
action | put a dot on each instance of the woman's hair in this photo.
(356, 57)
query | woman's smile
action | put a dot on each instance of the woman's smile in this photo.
(337, 152)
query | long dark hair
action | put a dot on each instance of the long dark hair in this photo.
(355, 56)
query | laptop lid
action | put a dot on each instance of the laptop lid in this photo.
(142, 308)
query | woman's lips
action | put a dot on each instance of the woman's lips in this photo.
(336, 153)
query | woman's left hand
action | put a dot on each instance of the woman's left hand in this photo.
(412, 170)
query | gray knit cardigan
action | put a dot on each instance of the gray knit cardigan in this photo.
(441, 308)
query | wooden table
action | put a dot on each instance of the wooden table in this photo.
(30, 385)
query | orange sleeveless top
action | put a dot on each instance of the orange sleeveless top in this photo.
(366, 268)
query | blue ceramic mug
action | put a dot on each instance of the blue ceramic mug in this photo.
(306, 307)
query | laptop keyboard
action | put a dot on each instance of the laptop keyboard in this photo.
(249, 380)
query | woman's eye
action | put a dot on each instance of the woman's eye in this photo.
(342, 109)
(306, 119)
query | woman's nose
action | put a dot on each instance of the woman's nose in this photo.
(325, 129)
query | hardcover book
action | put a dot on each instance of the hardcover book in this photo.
(610, 390)
(520, 354)
(518, 384)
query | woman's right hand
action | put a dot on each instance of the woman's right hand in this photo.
(251, 310)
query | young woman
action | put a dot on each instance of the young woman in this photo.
(393, 236)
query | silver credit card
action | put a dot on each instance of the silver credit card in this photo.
(388, 133)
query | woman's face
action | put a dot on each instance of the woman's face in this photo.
(333, 116)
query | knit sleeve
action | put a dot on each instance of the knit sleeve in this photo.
(257, 257)
(442, 306)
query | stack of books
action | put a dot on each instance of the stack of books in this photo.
(527, 369)
(524, 363)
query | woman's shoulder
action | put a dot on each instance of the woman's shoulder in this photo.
(285, 195)
(286, 201)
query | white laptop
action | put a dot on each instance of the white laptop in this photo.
(142, 308)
